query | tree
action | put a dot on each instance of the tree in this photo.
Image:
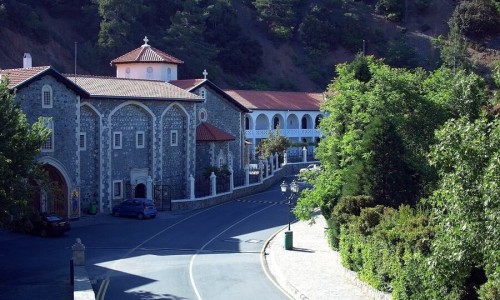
(119, 23)
(274, 143)
(465, 209)
(20, 143)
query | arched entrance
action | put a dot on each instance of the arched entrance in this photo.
(55, 199)
(140, 191)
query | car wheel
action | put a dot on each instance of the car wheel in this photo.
(140, 216)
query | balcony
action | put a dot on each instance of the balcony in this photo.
(290, 133)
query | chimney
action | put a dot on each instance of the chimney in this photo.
(27, 61)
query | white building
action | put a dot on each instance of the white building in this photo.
(296, 113)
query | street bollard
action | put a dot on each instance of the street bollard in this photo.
(288, 240)
(78, 253)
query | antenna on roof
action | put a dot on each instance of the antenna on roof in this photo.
(76, 52)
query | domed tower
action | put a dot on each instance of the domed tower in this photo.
(147, 62)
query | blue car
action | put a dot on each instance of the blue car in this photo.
(136, 207)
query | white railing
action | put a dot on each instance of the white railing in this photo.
(264, 133)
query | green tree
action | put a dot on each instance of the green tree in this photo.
(466, 204)
(274, 143)
(476, 19)
(20, 143)
(185, 39)
(453, 49)
(119, 27)
(280, 15)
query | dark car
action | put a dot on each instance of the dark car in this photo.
(50, 224)
(136, 207)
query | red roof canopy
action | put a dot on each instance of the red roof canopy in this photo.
(209, 133)
(274, 100)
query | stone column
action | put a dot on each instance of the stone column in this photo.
(304, 154)
(277, 160)
(271, 163)
(285, 157)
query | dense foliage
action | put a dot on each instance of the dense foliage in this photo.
(409, 180)
(19, 145)
(208, 34)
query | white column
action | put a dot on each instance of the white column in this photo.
(231, 180)
(191, 187)
(304, 154)
(247, 175)
(261, 178)
(285, 157)
(213, 184)
(271, 163)
(277, 161)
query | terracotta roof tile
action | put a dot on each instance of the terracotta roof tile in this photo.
(111, 87)
(209, 133)
(18, 76)
(274, 100)
(146, 53)
(187, 84)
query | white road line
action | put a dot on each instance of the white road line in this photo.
(191, 276)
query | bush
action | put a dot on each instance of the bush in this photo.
(347, 208)
(221, 173)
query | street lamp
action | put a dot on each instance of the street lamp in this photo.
(294, 191)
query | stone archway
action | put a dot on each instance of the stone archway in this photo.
(140, 191)
(56, 198)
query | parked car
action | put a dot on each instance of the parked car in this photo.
(45, 224)
(136, 207)
(311, 167)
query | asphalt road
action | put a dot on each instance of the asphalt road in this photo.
(212, 253)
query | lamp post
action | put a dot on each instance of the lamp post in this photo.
(294, 191)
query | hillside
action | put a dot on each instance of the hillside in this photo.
(284, 64)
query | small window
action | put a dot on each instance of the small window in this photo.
(173, 138)
(49, 144)
(202, 93)
(221, 162)
(203, 116)
(149, 73)
(117, 140)
(82, 143)
(117, 189)
(46, 96)
(139, 139)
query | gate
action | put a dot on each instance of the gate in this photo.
(162, 196)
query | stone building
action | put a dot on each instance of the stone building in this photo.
(130, 135)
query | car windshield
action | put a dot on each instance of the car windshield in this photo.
(53, 218)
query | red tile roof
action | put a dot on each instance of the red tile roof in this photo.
(23, 76)
(146, 53)
(112, 87)
(209, 133)
(18, 76)
(273, 100)
(187, 84)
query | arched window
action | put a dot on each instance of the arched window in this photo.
(247, 123)
(49, 144)
(276, 122)
(304, 123)
(47, 96)
(318, 120)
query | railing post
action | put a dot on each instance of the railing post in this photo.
(277, 161)
(285, 157)
(247, 175)
(78, 250)
(231, 180)
(271, 163)
(213, 184)
(191, 187)
(261, 175)
(304, 154)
